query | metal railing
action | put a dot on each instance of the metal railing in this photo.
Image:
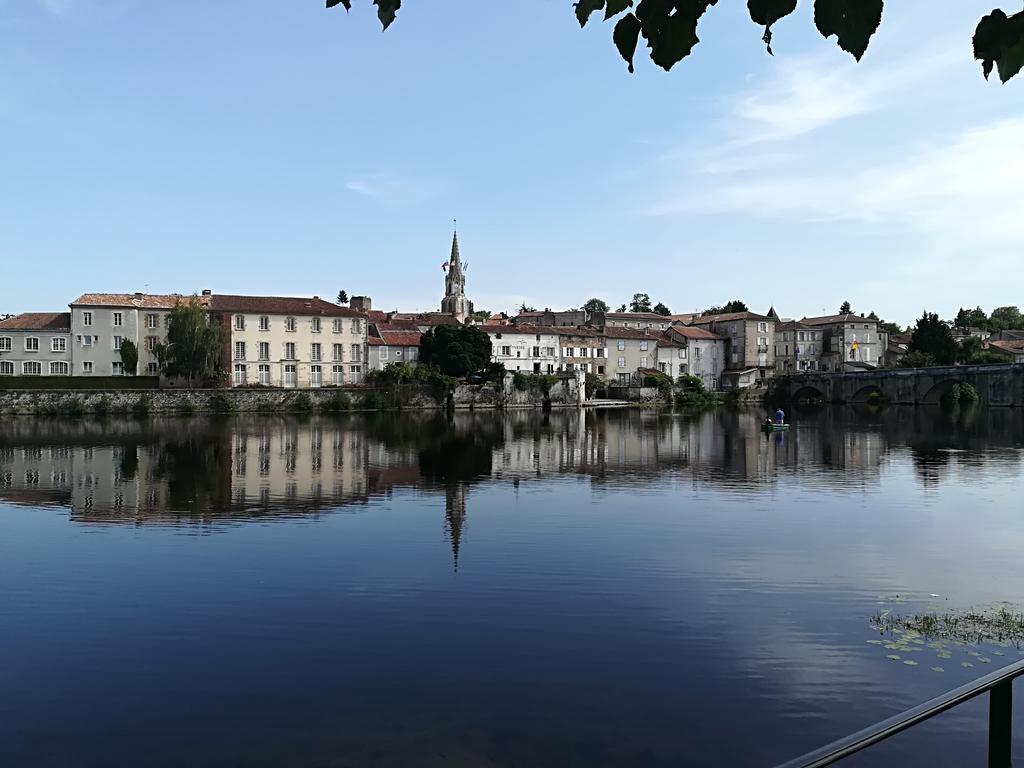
(999, 685)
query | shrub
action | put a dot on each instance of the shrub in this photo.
(222, 403)
(374, 401)
(143, 405)
(187, 408)
(916, 360)
(74, 407)
(339, 403)
(102, 406)
(301, 403)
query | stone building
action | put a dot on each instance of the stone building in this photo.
(629, 350)
(798, 347)
(750, 344)
(455, 302)
(529, 349)
(849, 342)
(583, 349)
(639, 320)
(689, 351)
(36, 344)
(101, 322)
(278, 341)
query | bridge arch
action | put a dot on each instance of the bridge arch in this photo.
(867, 393)
(807, 392)
(939, 390)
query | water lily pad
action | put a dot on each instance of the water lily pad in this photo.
(973, 653)
(893, 656)
(944, 655)
(998, 653)
(984, 660)
(910, 663)
(966, 664)
(875, 642)
(938, 669)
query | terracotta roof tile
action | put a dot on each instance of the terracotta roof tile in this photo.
(637, 316)
(401, 338)
(38, 321)
(833, 319)
(279, 305)
(137, 300)
(691, 332)
(706, 319)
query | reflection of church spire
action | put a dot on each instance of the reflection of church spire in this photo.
(455, 517)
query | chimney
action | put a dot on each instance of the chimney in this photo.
(316, 298)
(207, 292)
(138, 294)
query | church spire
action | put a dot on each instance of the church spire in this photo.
(455, 246)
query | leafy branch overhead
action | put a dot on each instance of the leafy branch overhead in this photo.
(669, 27)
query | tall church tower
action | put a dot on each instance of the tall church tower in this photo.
(455, 301)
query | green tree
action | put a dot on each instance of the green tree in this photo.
(129, 357)
(988, 357)
(967, 349)
(641, 303)
(890, 328)
(669, 27)
(971, 318)
(524, 308)
(661, 309)
(1006, 319)
(916, 360)
(595, 305)
(456, 350)
(730, 306)
(845, 308)
(481, 315)
(933, 337)
(622, 308)
(342, 297)
(193, 346)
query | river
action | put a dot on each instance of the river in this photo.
(609, 588)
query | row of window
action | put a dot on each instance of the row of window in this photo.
(34, 368)
(315, 351)
(290, 375)
(290, 324)
(31, 343)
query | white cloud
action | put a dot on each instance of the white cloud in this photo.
(966, 187)
(390, 189)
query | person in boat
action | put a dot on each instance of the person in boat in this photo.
(780, 416)
(767, 421)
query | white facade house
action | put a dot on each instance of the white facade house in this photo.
(36, 344)
(101, 322)
(529, 349)
(688, 351)
(292, 342)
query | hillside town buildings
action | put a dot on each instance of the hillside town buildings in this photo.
(307, 342)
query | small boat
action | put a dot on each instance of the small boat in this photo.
(773, 427)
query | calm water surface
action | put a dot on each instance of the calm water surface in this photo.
(613, 588)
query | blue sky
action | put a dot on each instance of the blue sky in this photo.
(269, 146)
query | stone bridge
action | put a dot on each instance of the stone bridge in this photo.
(996, 384)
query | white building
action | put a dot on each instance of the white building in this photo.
(101, 322)
(36, 344)
(277, 341)
(684, 350)
(530, 349)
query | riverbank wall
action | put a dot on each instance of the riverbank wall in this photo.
(567, 391)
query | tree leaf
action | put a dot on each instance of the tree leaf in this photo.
(853, 22)
(386, 10)
(625, 36)
(586, 7)
(670, 28)
(999, 40)
(767, 12)
(615, 7)
(346, 3)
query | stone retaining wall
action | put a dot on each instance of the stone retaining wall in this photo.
(567, 392)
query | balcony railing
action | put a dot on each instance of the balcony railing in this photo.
(999, 686)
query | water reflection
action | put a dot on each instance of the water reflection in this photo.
(616, 587)
(202, 471)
